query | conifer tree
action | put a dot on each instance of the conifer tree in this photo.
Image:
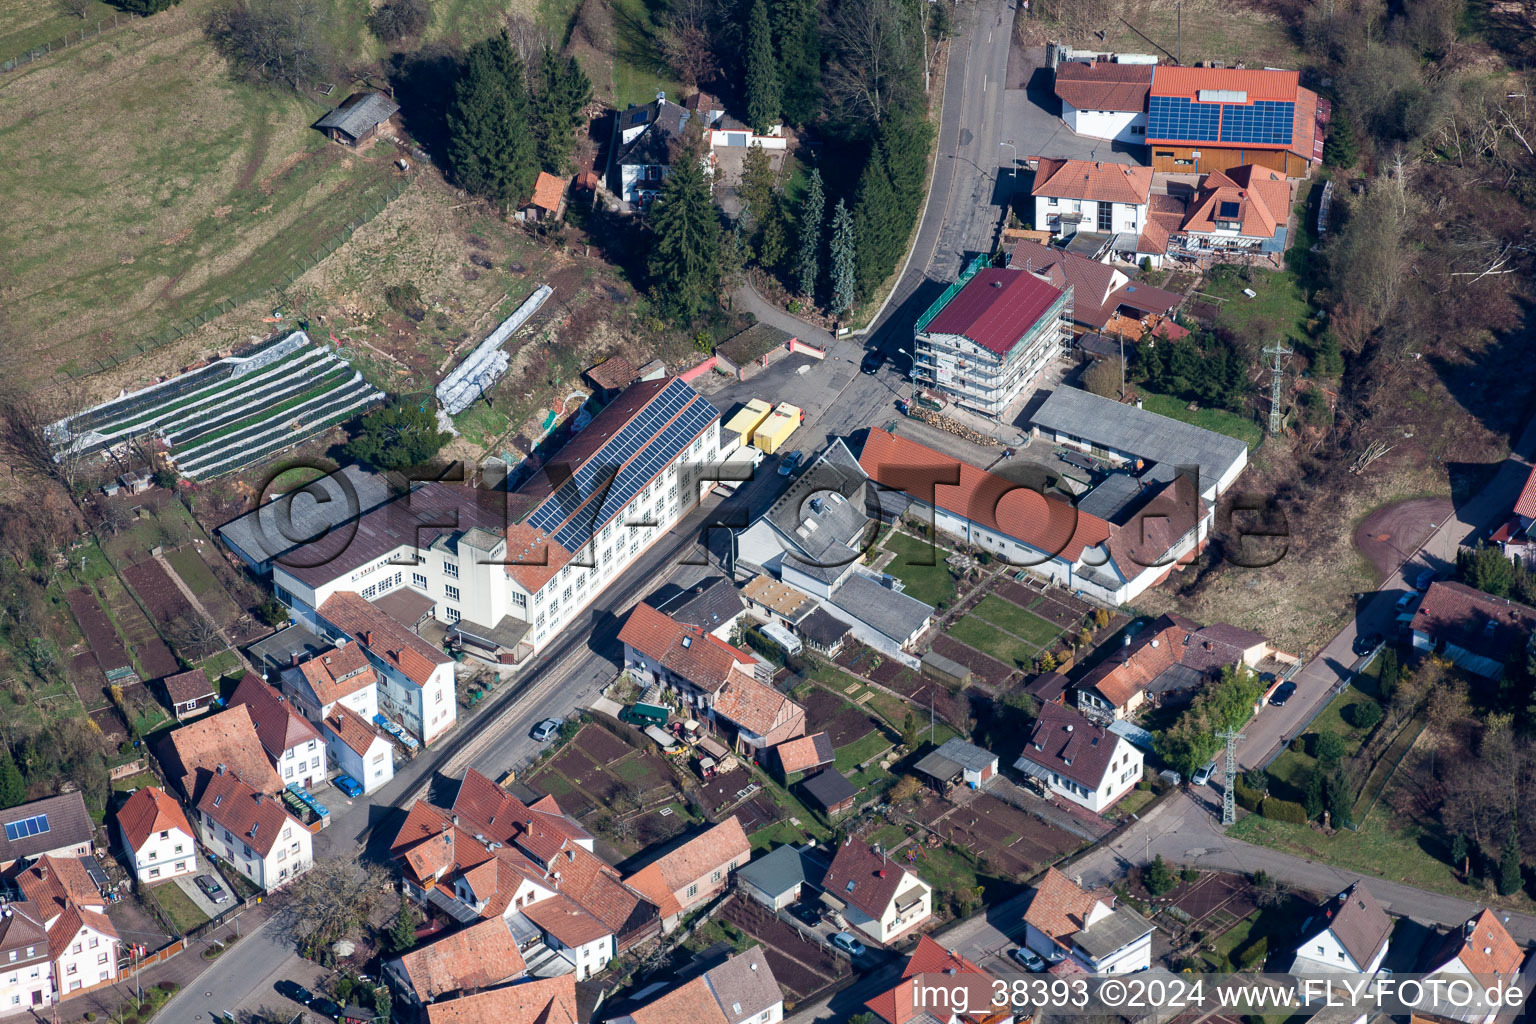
(797, 40)
(1510, 879)
(13, 790)
(844, 259)
(763, 91)
(563, 91)
(490, 147)
(685, 256)
(812, 212)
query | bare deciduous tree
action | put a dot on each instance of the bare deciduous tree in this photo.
(334, 897)
(876, 46)
(275, 40)
(689, 42)
(76, 8)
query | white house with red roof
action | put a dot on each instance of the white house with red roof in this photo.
(1516, 536)
(415, 679)
(1479, 950)
(901, 1004)
(293, 745)
(26, 980)
(1243, 209)
(692, 663)
(985, 341)
(1090, 195)
(1065, 923)
(693, 873)
(1079, 759)
(358, 748)
(82, 942)
(156, 836)
(342, 675)
(250, 830)
(876, 894)
(1105, 99)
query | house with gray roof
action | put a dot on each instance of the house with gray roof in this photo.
(644, 144)
(775, 880)
(957, 762)
(1348, 934)
(713, 604)
(814, 534)
(357, 118)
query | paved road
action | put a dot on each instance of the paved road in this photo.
(255, 963)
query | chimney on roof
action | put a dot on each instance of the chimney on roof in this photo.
(293, 660)
(219, 770)
(455, 819)
(42, 872)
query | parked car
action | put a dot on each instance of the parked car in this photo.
(293, 990)
(1030, 961)
(1170, 776)
(872, 362)
(546, 729)
(1203, 774)
(1407, 601)
(348, 785)
(806, 913)
(790, 462)
(1283, 693)
(212, 889)
(1365, 643)
(326, 1008)
(846, 942)
(1424, 579)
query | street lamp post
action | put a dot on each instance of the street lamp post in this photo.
(1015, 150)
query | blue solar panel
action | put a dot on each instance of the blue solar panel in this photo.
(1266, 122)
(1178, 117)
(35, 825)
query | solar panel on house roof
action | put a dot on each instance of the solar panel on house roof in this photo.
(33, 826)
(1228, 211)
(1264, 123)
(1261, 123)
(1179, 117)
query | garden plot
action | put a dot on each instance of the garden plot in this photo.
(1010, 841)
(233, 412)
(154, 657)
(985, 667)
(802, 966)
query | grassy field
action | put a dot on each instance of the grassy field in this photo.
(178, 906)
(1294, 768)
(639, 72)
(915, 566)
(1211, 30)
(174, 189)
(27, 24)
(1219, 420)
(987, 639)
(1016, 620)
(1279, 310)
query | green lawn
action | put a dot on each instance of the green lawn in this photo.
(985, 638)
(1219, 420)
(138, 781)
(178, 906)
(942, 867)
(861, 750)
(1016, 620)
(1280, 310)
(920, 565)
(639, 70)
(222, 665)
(1294, 768)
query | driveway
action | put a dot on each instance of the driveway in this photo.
(188, 885)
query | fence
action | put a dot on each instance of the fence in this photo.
(37, 53)
(299, 268)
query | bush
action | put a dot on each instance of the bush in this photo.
(1255, 953)
(1298, 746)
(1366, 716)
(396, 19)
(1247, 797)
(1283, 810)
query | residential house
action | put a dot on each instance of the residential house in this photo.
(829, 790)
(1481, 950)
(1112, 562)
(692, 663)
(548, 200)
(644, 148)
(1201, 120)
(358, 118)
(824, 632)
(1090, 196)
(742, 990)
(538, 1001)
(775, 879)
(576, 934)
(1102, 295)
(985, 341)
(1063, 922)
(56, 825)
(521, 565)
(727, 132)
(694, 873)
(771, 601)
(415, 680)
(713, 605)
(358, 748)
(493, 856)
(54, 884)
(1104, 99)
(958, 763)
(189, 693)
(293, 745)
(26, 970)
(1243, 209)
(1517, 535)
(875, 894)
(900, 1003)
(762, 716)
(1348, 934)
(156, 836)
(251, 830)
(1172, 659)
(1079, 759)
(224, 741)
(1477, 631)
(83, 947)
(804, 754)
(341, 675)
(482, 956)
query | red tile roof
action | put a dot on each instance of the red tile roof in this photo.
(995, 309)
(689, 1003)
(253, 818)
(1260, 196)
(1482, 945)
(805, 753)
(186, 687)
(612, 373)
(278, 725)
(381, 634)
(548, 191)
(352, 729)
(596, 886)
(1046, 524)
(702, 658)
(228, 738)
(1059, 909)
(1174, 80)
(1525, 504)
(862, 878)
(1104, 85)
(659, 881)
(147, 811)
(1093, 180)
(1457, 614)
(69, 924)
(479, 956)
(754, 706)
(339, 672)
(56, 883)
(896, 1005)
(566, 920)
(542, 1001)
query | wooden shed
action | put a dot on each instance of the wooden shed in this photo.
(358, 118)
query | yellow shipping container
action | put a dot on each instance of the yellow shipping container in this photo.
(775, 430)
(748, 419)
